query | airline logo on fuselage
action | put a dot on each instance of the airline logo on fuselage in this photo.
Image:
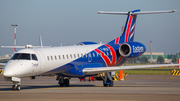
(35, 65)
(138, 49)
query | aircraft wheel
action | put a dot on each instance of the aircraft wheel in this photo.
(18, 88)
(111, 84)
(13, 87)
(61, 84)
(66, 82)
(105, 85)
(32, 77)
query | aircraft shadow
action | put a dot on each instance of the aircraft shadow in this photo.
(57, 86)
(24, 87)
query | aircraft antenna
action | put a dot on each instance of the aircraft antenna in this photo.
(40, 39)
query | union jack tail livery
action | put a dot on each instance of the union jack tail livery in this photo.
(129, 30)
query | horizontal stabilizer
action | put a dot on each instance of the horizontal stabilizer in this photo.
(118, 13)
(137, 13)
(27, 46)
(97, 70)
(13, 46)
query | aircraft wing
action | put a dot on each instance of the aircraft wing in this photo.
(2, 64)
(1, 68)
(95, 70)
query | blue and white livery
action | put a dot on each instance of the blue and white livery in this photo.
(83, 60)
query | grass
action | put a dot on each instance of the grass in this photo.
(147, 72)
(150, 71)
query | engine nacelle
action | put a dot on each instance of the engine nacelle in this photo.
(131, 49)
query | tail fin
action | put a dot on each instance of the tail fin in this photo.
(129, 31)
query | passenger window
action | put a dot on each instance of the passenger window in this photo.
(34, 57)
(74, 55)
(63, 57)
(93, 55)
(111, 53)
(82, 55)
(59, 57)
(71, 56)
(89, 54)
(51, 58)
(48, 57)
(107, 53)
(55, 57)
(67, 57)
(78, 55)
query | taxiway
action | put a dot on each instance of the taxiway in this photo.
(133, 88)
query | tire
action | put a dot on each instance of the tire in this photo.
(33, 77)
(13, 87)
(61, 84)
(18, 88)
(105, 85)
(66, 82)
(111, 84)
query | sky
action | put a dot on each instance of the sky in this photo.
(72, 21)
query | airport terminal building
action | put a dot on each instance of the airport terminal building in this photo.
(167, 58)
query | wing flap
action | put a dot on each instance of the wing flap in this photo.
(96, 70)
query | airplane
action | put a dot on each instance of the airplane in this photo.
(82, 60)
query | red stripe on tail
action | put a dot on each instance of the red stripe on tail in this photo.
(117, 41)
(128, 28)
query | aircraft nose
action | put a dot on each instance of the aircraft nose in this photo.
(11, 69)
(16, 68)
(7, 73)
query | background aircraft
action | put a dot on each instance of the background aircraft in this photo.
(83, 60)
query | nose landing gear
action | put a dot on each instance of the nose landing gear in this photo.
(16, 87)
(16, 81)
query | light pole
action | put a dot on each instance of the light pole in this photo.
(151, 52)
(15, 26)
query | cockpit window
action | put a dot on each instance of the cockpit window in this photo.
(21, 56)
(34, 57)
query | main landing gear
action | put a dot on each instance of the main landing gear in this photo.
(107, 80)
(63, 81)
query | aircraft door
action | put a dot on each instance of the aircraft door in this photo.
(89, 57)
(41, 59)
